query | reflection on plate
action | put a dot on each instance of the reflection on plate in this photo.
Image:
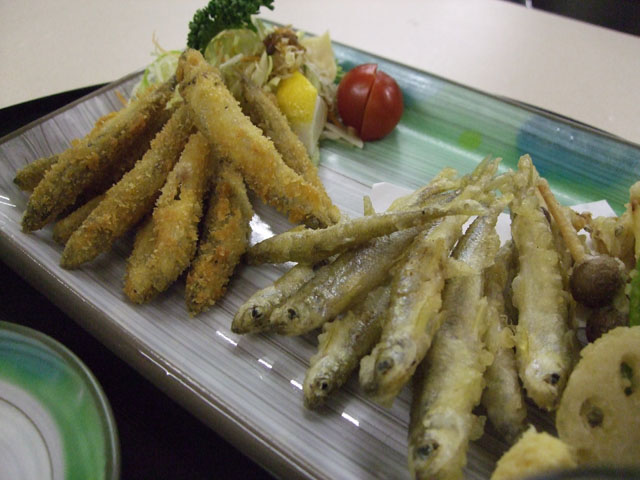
(55, 422)
(248, 388)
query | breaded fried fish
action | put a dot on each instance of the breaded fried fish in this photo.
(29, 176)
(89, 159)
(132, 197)
(232, 135)
(93, 195)
(174, 222)
(64, 228)
(225, 239)
(265, 114)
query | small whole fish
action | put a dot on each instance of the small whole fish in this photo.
(174, 222)
(29, 176)
(341, 345)
(219, 117)
(544, 339)
(253, 315)
(313, 245)
(354, 273)
(266, 115)
(503, 397)
(91, 158)
(412, 319)
(449, 382)
(224, 240)
(339, 284)
(416, 296)
(129, 200)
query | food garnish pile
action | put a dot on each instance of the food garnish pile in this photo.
(411, 295)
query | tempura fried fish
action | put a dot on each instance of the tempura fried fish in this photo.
(337, 285)
(544, 339)
(312, 245)
(503, 397)
(354, 273)
(253, 315)
(411, 320)
(448, 384)
(416, 292)
(341, 345)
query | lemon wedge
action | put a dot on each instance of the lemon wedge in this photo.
(305, 110)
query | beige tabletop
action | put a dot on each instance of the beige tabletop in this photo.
(585, 72)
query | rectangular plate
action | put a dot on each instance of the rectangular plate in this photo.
(248, 387)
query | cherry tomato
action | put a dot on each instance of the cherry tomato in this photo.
(370, 101)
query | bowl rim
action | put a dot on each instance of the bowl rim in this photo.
(99, 398)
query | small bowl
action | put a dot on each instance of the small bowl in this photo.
(55, 420)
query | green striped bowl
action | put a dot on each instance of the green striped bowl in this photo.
(55, 421)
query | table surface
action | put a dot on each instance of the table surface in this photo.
(571, 68)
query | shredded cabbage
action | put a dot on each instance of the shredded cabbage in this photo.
(339, 132)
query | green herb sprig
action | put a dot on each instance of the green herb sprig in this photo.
(219, 15)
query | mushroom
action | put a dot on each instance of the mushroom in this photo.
(595, 279)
